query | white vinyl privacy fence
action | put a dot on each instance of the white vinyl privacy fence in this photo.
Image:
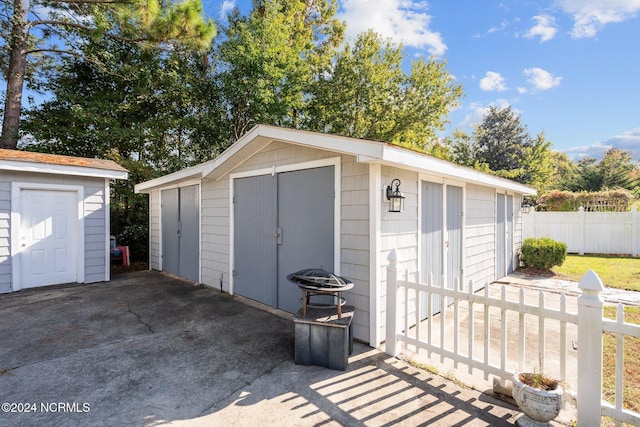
(465, 333)
(587, 232)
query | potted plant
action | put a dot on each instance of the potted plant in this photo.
(538, 397)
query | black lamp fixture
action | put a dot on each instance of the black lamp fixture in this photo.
(395, 197)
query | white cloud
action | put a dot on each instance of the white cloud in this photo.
(545, 28)
(590, 16)
(499, 28)
(403, 21)
(628, 141)
(503, 25)
(226, 7)
(541, 79)
(594, 151)
(493, 81)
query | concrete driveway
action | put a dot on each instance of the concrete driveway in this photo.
(146, 349)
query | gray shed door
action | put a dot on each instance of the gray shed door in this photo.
(255, 225)
(432, 229)
(282, 224)
(510, 253)
(306, 225)
(432, 239)
(501, 229)
(441, 241)
(181, 232)
(454, 235)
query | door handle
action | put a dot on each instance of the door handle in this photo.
(278, 236)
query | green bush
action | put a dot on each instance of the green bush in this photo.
(542, 253)
(136, 237)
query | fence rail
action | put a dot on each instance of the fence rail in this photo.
(454, 332)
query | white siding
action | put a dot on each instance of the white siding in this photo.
(215, 233)
(5, 235)
(154, 230)
(480, 226)
(398, 231)
(94, 224)
(354, 242)
(94, 234)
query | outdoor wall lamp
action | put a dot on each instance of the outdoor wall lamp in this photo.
(526, 205)
(395, 197)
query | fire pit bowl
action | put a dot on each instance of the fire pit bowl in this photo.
(318, 282)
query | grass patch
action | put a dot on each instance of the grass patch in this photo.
(423, 366)
(631, 366)
(615, 272)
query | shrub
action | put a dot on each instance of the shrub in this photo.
(136, 237)
(600, 201)
(542, 253)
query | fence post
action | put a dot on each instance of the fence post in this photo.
(590, 310)
(634, 231)
(391, 344)
(581, 230)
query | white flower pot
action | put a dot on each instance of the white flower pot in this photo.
(538, 406)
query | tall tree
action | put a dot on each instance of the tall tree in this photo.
(618, 169)
(266, 61)
(502, 141)
(366, 94)
(138, 102)
(537, 166)
(37, 27)
(564, 171)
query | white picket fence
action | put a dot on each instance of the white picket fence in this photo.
(587, 232)
(453, 334)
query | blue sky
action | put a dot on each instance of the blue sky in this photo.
(570, 68)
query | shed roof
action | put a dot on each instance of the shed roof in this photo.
(366, 151)
(26, 161)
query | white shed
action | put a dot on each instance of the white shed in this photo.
(54, 219)
(280, 200)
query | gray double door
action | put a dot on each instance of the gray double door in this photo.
(180, 210)
(282, 223)
(441, 236)
(505, 255)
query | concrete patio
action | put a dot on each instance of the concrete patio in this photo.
(146, 349)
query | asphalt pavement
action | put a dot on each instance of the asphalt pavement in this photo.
(147, 349)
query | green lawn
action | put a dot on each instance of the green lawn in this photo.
(631, 377)
(621, 273)
(615, 272)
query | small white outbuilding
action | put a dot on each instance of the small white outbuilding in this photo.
(280, 200)
(54, 219)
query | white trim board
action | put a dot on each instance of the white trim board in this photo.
(16, 189)
(365, 151)
(20, 166)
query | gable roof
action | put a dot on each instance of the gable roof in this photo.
(26, 161)
(366, 151)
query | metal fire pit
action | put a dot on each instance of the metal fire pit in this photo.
(318, 282)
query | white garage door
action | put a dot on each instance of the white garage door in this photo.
(48, 237)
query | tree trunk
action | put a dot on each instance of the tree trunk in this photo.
(15, 75)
